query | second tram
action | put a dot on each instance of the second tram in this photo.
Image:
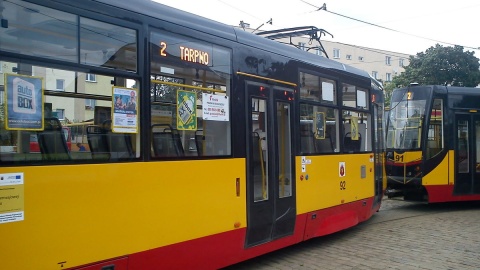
(433, 144)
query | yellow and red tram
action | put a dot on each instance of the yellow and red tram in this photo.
(432, 146)
(196, 145)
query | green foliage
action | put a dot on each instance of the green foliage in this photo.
(388, 90)
(441, 66)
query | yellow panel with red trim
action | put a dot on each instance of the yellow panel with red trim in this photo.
(451, 164)
(407, 157)
(440, 175)
(85, 213)
(330, 180)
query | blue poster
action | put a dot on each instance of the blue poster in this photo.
(24, 99)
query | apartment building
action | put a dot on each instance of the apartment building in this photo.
(381, 64)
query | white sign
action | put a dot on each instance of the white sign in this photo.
(215, 107)
(11, 197)
(11, 217)
(306, 161)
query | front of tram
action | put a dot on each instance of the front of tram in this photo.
(405, 123)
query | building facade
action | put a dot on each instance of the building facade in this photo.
(380, 64)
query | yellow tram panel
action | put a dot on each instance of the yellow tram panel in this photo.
(320, 183)
(407, 157)
(441, 174)
(168, 202)
(451, 165)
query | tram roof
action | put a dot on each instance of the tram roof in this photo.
(463, 90)
(192, 21)
(447, 89)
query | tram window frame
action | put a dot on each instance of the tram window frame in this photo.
(357, 126)
(59, 35)
(318, 107)
(62, 37)
(310, 140)
(355, 97)
(317, 88)
(435, 136)
(196, 68)
(75, 121)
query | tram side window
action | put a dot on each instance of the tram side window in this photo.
(42, 124)
(318, 129)
(435, 143)
(190, 89)
(32, 29)
(357, 130)
(316, 88)
(354, 97)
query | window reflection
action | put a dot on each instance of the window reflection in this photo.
(40, 31)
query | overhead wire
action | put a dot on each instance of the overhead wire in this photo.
(324, 8)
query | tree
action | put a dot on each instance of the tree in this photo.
(440, 66)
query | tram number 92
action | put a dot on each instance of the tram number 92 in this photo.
(343, 185)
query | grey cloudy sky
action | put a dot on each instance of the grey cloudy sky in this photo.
(415, 25)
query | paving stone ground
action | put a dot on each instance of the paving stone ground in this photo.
(402, 235)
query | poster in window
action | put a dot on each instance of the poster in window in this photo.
(354, 128)
(215, 107)
(186, 110)
(319, 125)
(125, 110)
(24, 102)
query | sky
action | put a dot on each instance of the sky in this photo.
(404, 26)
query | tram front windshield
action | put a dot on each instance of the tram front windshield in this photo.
(405, 124)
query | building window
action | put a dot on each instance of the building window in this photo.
(349, 57)
(400, 62)
(60, 85)
(60, 114)
(89, 104)
(301, 46)
(388, 77)
(388, 60)
(336, 53)
(374, 74)
(319, 51)
(91, 77)
(360, 58)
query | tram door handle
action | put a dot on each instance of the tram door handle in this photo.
(237, 186)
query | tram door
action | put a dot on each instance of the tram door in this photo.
(271, 208)
(378, 152)
(467, 154)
